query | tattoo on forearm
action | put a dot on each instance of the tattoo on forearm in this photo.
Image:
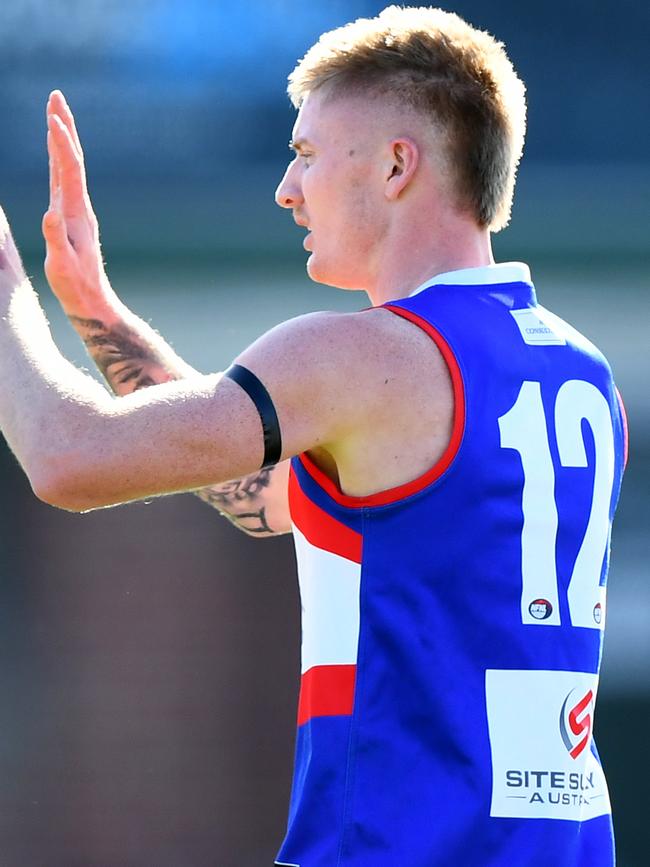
(126, 362)
(236, 501)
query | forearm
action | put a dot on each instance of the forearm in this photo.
(127, 351)
(249, 504)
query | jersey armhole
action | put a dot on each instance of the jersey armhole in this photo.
(394, 495)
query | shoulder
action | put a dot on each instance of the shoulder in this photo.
(336, 376)
(344, 349)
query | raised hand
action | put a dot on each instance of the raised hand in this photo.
(73, 262)
(129, 353)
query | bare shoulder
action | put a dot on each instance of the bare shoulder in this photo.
(401, 340)
(374, 383)
(372, 342)
(406, 374)
(358, 368)
(386, 351)
(393, 382)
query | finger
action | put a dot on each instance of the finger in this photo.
(53, 162)
(57, 104)
(74, 197)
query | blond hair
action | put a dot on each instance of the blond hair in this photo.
(445, 69)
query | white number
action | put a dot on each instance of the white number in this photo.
(524, 429)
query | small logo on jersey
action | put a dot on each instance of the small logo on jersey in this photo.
(540, 609)
(576, 719)
(598, 612)
(536, 327)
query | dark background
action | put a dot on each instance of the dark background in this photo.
(149, 654)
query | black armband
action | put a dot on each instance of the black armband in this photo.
(264, 405)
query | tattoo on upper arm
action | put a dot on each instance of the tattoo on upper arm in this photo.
(239, 501)
(126, 362)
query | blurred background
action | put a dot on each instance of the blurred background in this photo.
(149, 654)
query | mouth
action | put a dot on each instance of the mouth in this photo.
(304, 225)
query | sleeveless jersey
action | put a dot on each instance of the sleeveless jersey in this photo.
(452, 627)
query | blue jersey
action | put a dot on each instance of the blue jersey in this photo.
(452, 627)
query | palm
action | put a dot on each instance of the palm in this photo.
(73, 269)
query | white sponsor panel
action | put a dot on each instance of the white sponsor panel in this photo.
(540, 727)
(538, 327)
(329, 596)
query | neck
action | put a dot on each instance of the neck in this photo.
(408, 260)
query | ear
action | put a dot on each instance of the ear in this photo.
(403, 160)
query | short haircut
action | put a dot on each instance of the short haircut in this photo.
(446, 70)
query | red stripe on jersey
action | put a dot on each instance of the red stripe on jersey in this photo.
(326, 690)
(392, 495)
(320, 528)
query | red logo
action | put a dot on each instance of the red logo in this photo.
(577, 718)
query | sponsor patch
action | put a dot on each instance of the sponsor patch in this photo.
(536, 327)
(540, 726)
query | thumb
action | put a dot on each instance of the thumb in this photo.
(54, 230)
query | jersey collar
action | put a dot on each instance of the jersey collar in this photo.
(504, 272)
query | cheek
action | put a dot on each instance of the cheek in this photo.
(318, 192)
(345, 216)
(364, 218)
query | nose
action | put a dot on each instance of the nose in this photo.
(288, 193)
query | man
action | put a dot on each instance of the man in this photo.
(455, 452)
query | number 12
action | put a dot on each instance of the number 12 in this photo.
(524, 429)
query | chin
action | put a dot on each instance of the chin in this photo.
(313, 271)
(317, 272)
(320, 273)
